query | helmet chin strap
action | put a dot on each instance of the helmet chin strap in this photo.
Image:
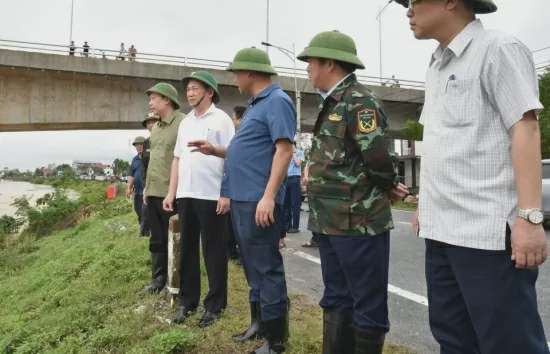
(200, 101)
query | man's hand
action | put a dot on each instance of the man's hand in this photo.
(168, 202)
(202, 146)
(265, 212)
(529, 245)
(129, 192)
(399, 192)
(223, 207)
(144, 198)
(415, 223)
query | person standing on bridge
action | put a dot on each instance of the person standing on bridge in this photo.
(72, 48)
(256, 164)
(163, 100)
(351, 183)
(86, 50)
(480, 195)
(195, 183)
(148, 123)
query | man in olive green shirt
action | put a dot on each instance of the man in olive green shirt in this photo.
(163, 99)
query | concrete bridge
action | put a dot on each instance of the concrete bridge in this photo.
(55, 91)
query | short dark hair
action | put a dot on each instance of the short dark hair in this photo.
(469, 5)
(347, 67)
(203, 85)
(239, 111)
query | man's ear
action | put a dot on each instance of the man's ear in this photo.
(452, 4)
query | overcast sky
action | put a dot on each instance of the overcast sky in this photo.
(216, 29)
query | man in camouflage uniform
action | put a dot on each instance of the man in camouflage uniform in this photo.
(352, 179)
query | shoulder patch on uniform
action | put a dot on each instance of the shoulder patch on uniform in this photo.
(367, 121)
(335, 117)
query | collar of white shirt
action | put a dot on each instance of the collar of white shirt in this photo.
(459, 44)
(329, 92)
(210, 110)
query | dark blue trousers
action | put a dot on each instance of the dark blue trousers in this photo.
(293, 202)
(261, 259)
(479, 303)
(355, 274)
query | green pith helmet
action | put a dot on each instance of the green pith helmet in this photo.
(166, 90)
(139, 140)
(252, 59)
(206, 78)
(332, 45)
(150, 116)
(480, 6)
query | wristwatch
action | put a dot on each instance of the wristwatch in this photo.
(534, 216)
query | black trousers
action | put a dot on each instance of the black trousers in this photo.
(145, 228)
(479, 303)
(201, 225)
(138, 206)
(158, 219)
(231, 240)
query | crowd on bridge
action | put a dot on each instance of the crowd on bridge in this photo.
(479, 209)
(87, 51)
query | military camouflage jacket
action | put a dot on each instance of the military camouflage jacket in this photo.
(351, 170)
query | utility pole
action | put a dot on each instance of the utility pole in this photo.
(71, 28)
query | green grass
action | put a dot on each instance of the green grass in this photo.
(76, 291)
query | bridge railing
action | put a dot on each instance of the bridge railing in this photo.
(111, 54)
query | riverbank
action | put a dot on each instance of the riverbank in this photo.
(10, 190)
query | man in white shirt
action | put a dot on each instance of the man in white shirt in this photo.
(195, 184)
(480, 195)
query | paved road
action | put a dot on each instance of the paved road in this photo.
(408, 314)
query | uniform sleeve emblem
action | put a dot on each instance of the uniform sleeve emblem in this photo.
(367, 121)
(335, 117)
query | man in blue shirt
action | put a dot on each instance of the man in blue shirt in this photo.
(135, 178)
(293, 197)
(256, 165)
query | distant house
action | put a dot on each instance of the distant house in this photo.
(92, 169)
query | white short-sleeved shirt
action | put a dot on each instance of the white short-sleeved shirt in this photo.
(476, 90)
(200, 176)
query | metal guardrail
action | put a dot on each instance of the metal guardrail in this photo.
(111, 54)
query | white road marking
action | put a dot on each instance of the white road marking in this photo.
(419, 299)
(308, 257)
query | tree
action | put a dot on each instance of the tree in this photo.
(413, 130)
(544, 116)
(66, 171)
(120, 167)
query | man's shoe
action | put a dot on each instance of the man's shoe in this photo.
(368, 341)
(208, 319)
(183, 313)
(253, 331)
(152, 289)
(338, 334)
(311, 244)
(276, 334)
(293, 231)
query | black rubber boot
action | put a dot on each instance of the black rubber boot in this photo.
(276, 334)
(159, 265)
(253, 331)
(369, 341)
(338, 337)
